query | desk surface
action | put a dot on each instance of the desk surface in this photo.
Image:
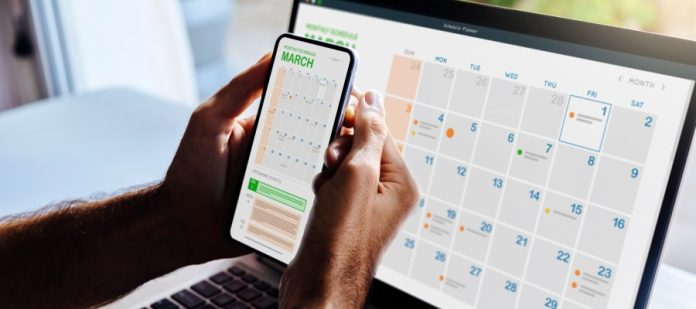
(75, 147)
(114, 139)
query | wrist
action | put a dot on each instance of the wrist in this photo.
(325, 281)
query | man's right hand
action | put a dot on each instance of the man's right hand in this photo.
(362, 198)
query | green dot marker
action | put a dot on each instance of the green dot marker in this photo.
(519, 152)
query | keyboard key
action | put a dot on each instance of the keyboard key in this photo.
(164, 304)
(262, 286)
(207, 306)
(221, 278)
(235, 270)
(273, 292)
(237, 306)
(234, 286)
(250, 278)
(249, 295)
(188, 299)
(205, 288)
(264, 303)
(223, 299)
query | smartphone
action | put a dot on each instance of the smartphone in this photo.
(301, 111)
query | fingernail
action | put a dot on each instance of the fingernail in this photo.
(334, 152)
(373, 98)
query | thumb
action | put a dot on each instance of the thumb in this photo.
(370, 129)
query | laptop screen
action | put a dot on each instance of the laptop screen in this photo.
(542, 165)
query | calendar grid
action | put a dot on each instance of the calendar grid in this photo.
(422, 115)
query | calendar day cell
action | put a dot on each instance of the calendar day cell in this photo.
(420, 164)
(425, 127)
(397, 116)
(572, 170)
(403, 77)
(412, 222)
(616, 184)
(459, 134)
(630, 134)
(399, 253)
(509, 250)
(548, 265)
(429, 265)
(472, 235)
(449, 179)
(532, 159)
(521, 203)
(494, 147)
(462, 279)
(498, 291)
(438, 223)
(585, 123)
(603, 233)
(543, 113)
(560, 218)
(469, 93)
(590, 282)
(483, 192)
(533, 297)
(436, 83)
(505, 101)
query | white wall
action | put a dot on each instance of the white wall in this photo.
(136, 44)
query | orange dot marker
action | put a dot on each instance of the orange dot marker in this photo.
(461, 228)
(415, 121)
(429, 214)
(450, 133)
(425, 226)
(572, 114)
(441, 278)
(577, 272)
(574, 285)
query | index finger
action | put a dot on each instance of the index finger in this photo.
(241, 91)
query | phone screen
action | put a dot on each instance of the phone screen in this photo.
(300, 111)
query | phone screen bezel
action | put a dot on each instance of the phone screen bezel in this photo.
(335, 129)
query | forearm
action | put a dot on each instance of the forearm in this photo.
(90, 253)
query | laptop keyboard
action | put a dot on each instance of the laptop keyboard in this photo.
(234, 289)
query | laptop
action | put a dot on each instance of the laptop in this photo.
(548, 154)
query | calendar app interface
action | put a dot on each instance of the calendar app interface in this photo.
(298, 112)
(541, 174)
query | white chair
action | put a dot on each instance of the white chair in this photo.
(87, 45)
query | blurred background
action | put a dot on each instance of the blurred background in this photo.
(211, 39)
(182, 50)
(670, 17)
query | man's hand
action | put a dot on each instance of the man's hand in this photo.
(362, 198)
(88, 253)
(203, 180)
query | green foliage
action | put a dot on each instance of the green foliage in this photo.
(624, 13)
(508, 3)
